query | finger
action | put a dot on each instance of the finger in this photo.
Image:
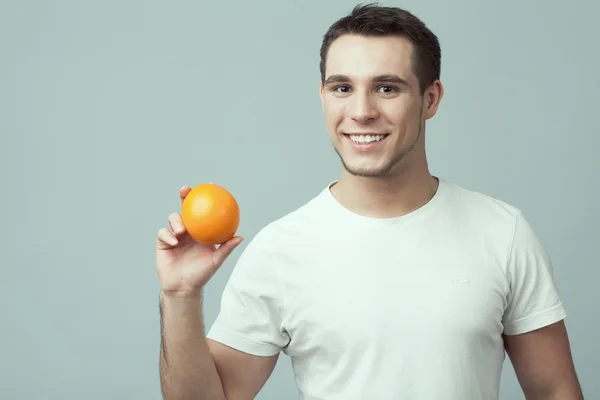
(184, 191)
(226, 248)
(176, 225)
(166, 238)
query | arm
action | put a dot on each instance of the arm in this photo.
(535, 336)
(192, 367)
(543, 363)
(243, 375)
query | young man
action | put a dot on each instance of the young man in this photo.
(391, 283)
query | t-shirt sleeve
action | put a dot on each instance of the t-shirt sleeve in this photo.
(533, 298)
(250, 318)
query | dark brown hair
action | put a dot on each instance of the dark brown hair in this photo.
(375, 20)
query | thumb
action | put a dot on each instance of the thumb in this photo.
(226, 248)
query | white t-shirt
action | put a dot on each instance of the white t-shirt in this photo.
(412, 307)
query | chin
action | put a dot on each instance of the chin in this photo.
(368, 173)
(371, 171)
(374, 168)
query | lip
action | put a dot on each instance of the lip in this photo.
(365, 146)
(364, 133)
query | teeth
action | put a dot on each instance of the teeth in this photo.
(366, 138)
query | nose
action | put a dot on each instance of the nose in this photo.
(363, 108)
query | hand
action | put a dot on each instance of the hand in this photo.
(184, 266)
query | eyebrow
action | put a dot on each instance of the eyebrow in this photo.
(379, 79)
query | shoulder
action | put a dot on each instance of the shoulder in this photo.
(480, 210)
(283, 234)
(498, 226)
(494, 221)
(478, 203)
(299, 221)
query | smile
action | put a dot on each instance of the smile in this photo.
(360, 139)
(366, 141)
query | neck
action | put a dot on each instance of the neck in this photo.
(386, 197)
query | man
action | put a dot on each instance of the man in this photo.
(391, 283)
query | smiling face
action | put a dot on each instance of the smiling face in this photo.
(374, 110)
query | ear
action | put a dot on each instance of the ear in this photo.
(432, 98)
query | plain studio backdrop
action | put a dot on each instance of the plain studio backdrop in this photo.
(109, 107)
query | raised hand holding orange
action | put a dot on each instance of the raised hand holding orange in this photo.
(187, 255)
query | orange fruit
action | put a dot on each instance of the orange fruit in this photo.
(210, 214)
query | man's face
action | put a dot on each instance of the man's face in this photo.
(372, 103)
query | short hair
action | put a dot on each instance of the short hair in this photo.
(375, 20)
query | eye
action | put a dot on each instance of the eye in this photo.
(387, 89)
(342, 89)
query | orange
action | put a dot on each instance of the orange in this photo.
(210, 214)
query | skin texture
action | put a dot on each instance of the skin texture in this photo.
(380, 94)
(370, 87)
(543, 363)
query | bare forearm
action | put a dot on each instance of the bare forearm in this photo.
(187, 369)
(564, 391)
(568, 395)
(571, 393)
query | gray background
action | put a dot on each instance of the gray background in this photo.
(109, 107)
